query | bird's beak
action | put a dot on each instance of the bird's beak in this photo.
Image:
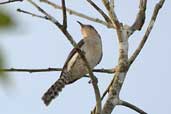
(80, 23)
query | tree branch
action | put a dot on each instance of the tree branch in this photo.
(112, 2)
(122, 67)
(64, 14)
(104, 94)
(106, 4)
(158, 6)
(49, 17)
(131, 106)
(94, 83)
(32, 14)
(73, 12)
(10, 1)
(30, 70)
(109, 71)
(140, 18)
(100, 11)
(114, 20)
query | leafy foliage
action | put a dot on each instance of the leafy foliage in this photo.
(4, 78)
(2, 74)
(5, 19)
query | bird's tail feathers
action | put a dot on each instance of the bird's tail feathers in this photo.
(54, 90)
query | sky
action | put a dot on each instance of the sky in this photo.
(37, 43)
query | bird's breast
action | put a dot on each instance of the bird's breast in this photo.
(93, 51)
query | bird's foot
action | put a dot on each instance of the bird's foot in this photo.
(95, 80)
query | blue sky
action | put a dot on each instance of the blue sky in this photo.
(37, 43)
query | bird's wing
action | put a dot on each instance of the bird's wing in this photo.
(100, 58)
(72, 53)
(101, 53)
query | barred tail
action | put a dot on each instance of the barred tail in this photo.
(54, 90)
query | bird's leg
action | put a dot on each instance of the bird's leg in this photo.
(95, 80)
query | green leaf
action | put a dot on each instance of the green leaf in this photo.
(5, 19)
(5, 80)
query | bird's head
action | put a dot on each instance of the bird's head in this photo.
(87, 30)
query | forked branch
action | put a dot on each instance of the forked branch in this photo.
(158, 6)
(123, 64)
(107, 19)
(76, 13)
(140, 19)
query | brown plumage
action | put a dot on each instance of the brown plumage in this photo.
(64, 79)
(74, 67)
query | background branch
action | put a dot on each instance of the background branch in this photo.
(140, 18)
(32, 14)
(131, 106)
(106, 4)
(158, 6)
(120, 74)
(73, 12)
(107, 19)
(30, 70)
(64, 14)
(114, 20)
(109, 71)
(123, 63)
(10, 1)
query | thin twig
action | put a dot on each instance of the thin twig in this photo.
(148, 31)
(10, 1)
(131, 106)
(51, 18)
(109, 71)
(64, 14)
(140, 18)
(30, 70)
(104, 94)
(100, 11)
(107, 90)
(32, 14)
(113, 17)
(106, 4)
(94, 83)
(112, 2)
(73, 12)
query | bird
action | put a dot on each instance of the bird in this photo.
(74, 67)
